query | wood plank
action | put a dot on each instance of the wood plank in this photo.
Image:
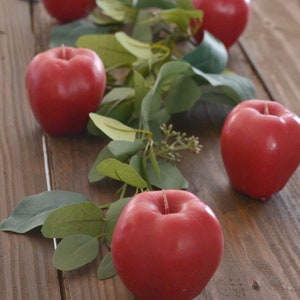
(272, 44)
(25, 261)
(261, 257)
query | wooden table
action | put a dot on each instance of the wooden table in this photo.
(262, 240)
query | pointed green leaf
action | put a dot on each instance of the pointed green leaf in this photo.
(118, 93)
(123, 172)
(67, 34)
(181, 17)
(170, 176)
(226, 85)
(122, 148)
(152, 102)
(75, 251)
(183, 94)
(210, 56)
(163, 4)
(108, 48)
(140, 91)
(94, 174)
(106, 268)
(113, 128)
(142, 30)
(80, 218)
(154, 162)
(135, 47)
(33, 210)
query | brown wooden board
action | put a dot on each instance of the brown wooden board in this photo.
(25, 260)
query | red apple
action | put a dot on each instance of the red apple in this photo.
(260, 145)
(166, 245)
(64, 85)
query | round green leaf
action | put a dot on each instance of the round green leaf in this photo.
(75, 251)
(80, 218)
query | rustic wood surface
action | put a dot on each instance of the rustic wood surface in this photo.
(262, 240)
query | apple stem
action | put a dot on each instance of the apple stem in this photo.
(166, 203)
(63, 51)
(267, 112)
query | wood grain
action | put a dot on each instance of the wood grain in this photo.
(262, 246)
(24, 260)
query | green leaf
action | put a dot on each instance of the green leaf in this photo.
(140, 91)
(106, 268)
(181, 17)
(113, 128)
(210, 56)
(119, 11)
(152, 102)
(80, 218)
(123, 172)
(183, 94)
(185, 4)
(224, 88)
(120, 150)
(154, 162)
(94, 174)
(125, 148)
(230, 89)
(135, 47)
(33, 210)
(163, 4)
(170, 176)
(112, 217)
(108, 48)
(142, 30)
(67, 34)
(118, 93)
(75, 251)
(121, 110)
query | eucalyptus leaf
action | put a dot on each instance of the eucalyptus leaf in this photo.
(163, 4)
(221, 94)
(142, 30)
(140, 91)
(75, 251)
(118, 93)
(113, 128)
(123, 172)
(94, 174)
(184, 93)
(154, 162)
(125, 148)
(185, 4)
(170, 176)
(80, 218)
(228, 83)
(152, 102)
(33, 210)
(121, 110)
(67, 34)
(181, 17)
(210, 56)
(106, 268)
(133, 46)
(119, 11)
(112, 217)
(112, 53)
